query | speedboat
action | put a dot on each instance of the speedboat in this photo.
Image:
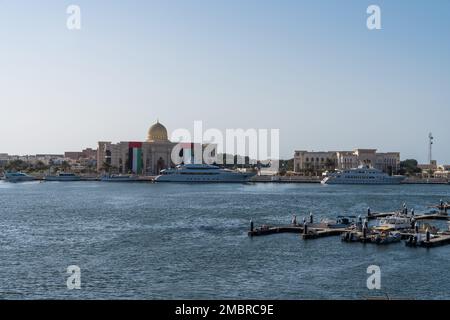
(62, 176)
(17, 177)
(202, 173)
(339, 222)
(386, 237)
(361, 175)
(393, 223)
(119, 178)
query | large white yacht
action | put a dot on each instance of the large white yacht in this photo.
(17, 177)
(202, 173)
(361, 175)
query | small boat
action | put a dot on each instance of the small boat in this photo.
(62, 176)
(120, 178)
(386, 237)
(351, 236)
(393, 223)
(339, 222)
(17, 177)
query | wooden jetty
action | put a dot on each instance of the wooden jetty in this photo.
(266, 230)
(435, 241)
(312, 232)
(315, 233)
(433, 216)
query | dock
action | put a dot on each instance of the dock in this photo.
(433, 216)
(436, 241)
(312, 232)
(315, 233)
(266, 230)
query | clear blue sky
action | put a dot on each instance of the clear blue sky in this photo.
(310, 68)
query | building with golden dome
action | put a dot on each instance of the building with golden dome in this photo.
(157, 133)
(146, 158)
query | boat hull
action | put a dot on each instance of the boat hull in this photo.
(196, 178)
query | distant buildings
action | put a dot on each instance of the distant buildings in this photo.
(319, 161)
(85, 154)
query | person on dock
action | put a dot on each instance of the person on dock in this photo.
(294, 219)
(441, 204)
(428, 235)
(359, 225)
(305, 227)
(364, 230)
(416, 226)
(413, 223)
(412, 212)
(251, 225)
(311, 219)
(368, 212)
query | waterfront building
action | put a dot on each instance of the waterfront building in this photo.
(87, 153)
(320, 161)
(148, 157)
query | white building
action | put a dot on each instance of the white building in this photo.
(319, 161)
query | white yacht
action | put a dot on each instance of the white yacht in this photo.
(17, 177)
(202, 173)
(361, 175)
(62, 176)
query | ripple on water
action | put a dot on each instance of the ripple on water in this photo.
(189, 241)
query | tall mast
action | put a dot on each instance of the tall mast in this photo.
(430, 138)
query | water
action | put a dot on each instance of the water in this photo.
(167, 241)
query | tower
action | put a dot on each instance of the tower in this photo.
(430, 138)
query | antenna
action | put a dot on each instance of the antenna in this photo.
(430, 138)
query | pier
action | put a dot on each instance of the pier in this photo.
(433, 216)
(435, 241)
(311, 232)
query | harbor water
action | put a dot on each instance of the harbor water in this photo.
(189, 241)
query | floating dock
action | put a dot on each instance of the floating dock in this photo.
(432, 216)
(436, 241)
(266, 230)
(315, 233)
(312, 232)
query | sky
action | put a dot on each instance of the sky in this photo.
(309, 68)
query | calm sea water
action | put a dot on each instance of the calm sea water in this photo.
(161, 241)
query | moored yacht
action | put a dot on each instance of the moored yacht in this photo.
(17, 177)
(361, 175)
(63, 176)
(202, 173)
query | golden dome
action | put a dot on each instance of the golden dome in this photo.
(157, 132)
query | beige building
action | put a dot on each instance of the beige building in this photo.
(314, 161)
(148, 157)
